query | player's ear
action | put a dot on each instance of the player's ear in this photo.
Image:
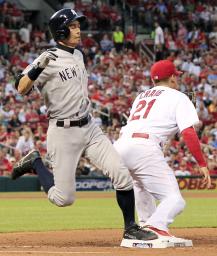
(173, 82)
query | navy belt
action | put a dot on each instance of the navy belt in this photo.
(81, 122)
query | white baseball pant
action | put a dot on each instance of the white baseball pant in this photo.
(153, 180)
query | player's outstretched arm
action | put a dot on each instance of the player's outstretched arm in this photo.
(191, 139)
(24, 83)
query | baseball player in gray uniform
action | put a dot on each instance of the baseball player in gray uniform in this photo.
(61, 77)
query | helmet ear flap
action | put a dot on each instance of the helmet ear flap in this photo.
(62, 33)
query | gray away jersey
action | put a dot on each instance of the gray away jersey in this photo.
(63, 85)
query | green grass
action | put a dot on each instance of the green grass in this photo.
(197, 191)
(199, 212)
(37, 214)
(40, 215)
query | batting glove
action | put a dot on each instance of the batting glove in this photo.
(43, 61)
(45, 57)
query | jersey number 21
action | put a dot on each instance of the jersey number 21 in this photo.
(140, 106)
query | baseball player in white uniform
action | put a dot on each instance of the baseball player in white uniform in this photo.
(61, 77)
(156, 116)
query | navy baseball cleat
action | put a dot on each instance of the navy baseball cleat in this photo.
(25, 164)
(136, 234)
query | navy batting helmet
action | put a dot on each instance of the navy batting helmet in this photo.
(60, 20)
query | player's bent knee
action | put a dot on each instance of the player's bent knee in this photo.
(180, 203)
(67, 200)
(122, 179)
(61, 199)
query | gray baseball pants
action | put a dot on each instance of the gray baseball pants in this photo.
(65, 147)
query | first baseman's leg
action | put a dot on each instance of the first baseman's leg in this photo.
(145, 203)
(101, 153)
(159, 180)
(165, 189)
(171, 202)
(64, 151)
(153, 173)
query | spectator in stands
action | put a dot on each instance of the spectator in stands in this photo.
(89, 42)
(7, 112)
(161, 7)
(3, 133)
(69, 4)
(32, 54)
(32, 116)
(3, 40)
(11, 140)
(2, 71)
(24, 33)
(170, 44)
(181, 34)
(182, 169)
(4, 12)
(130, 38)
(203, 113)
(91, 46)
(5, 165)
(195, 68)
(37, 32)
(22, 114)
(213, 131)
(13, 40)
(118, 39)
(213, 34)
(25, 142)
(212, 141)
(205, 87)
(213, 106)
(106, 44)
(9, 86)
(16, 15)
(40, 134)
(158, 41)
(179, 7)
(13, 122)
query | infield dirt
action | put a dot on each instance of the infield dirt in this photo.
(103, 242)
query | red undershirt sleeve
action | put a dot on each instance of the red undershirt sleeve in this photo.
(191, 140)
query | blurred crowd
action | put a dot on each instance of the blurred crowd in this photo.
(117, 73)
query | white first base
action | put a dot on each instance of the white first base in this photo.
(156, 243)
(180, 242)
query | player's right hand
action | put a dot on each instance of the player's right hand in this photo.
(45, 57)
(206, 179)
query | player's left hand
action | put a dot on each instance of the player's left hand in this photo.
(206, 179)
(45, 57)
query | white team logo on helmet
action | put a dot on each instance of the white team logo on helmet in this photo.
(73, 12)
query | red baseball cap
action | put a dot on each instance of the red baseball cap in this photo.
(163, 69)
